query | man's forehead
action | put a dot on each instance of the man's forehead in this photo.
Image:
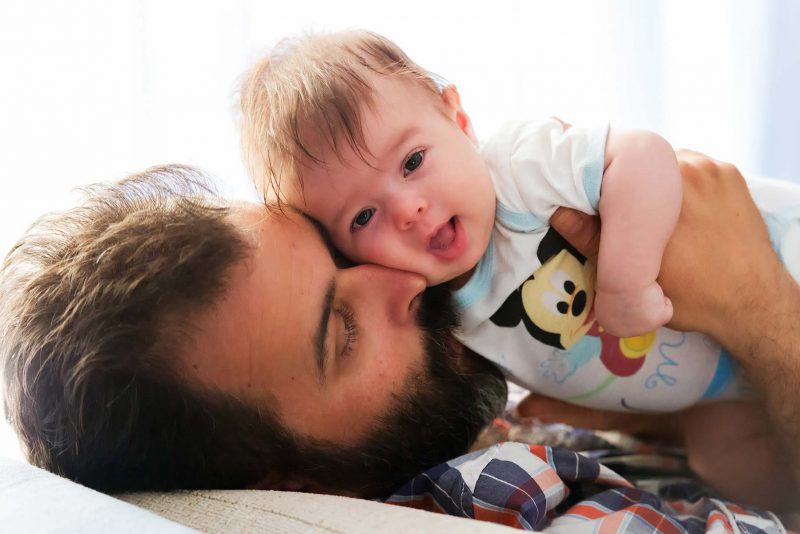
(241, 329)
(265, 218)
(258, 221)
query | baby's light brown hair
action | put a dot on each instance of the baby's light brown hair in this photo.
(308, 95)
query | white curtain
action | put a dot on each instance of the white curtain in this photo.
(93, 90)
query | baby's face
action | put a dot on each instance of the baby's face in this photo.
(423, 200)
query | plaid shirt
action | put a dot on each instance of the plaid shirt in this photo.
(536, 487)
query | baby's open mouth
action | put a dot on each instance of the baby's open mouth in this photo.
(445, 236)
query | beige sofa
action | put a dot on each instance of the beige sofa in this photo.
(33, 500)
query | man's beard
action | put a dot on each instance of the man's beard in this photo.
(438, 415)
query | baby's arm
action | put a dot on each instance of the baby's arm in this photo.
(640, 202)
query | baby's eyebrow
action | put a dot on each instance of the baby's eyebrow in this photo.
(403, 138)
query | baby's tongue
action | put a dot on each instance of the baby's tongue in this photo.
(444, 237)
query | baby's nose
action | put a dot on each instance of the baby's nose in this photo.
(407, 211)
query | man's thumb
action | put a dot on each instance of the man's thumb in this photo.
(581, 230)
(549, 410)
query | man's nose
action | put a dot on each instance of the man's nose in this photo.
(373, 288)
(406, 210)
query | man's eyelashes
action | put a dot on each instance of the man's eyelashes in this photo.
(350, 328)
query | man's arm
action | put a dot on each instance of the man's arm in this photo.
(726, 281)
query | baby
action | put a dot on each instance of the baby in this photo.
(383, 155)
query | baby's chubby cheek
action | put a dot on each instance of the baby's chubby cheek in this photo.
(380, 248)
(380, 251)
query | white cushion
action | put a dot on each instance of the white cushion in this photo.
(33, 500)
(226, 511)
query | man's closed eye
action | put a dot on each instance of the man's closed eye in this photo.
(348, 337)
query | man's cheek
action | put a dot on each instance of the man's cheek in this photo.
(382, 379)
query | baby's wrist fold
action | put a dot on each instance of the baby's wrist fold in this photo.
(624, 289)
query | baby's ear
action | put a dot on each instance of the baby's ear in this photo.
(452, 106)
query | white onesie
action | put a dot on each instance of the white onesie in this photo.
(529, 305)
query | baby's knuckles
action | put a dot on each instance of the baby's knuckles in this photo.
(632, 313)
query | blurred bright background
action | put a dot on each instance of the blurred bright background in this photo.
(93, 90)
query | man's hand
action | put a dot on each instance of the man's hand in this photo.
(667, 428)
(724, 280)
(719, 245)
(709, 256)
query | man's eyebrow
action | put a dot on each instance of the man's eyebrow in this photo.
(321, 335)
(338, 260)
(323, 235)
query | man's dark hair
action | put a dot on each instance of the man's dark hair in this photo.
(89, 301)
(96, 305)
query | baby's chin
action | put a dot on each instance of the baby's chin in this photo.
(454, 280)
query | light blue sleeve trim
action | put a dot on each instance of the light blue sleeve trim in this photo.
(775, 229)
(722, 376)
(777, 223)
(593, 171)
(525, 222)
(480, 281)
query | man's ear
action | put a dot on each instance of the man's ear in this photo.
(453, 109)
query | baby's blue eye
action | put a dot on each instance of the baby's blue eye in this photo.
(363, 218)
(413, 162)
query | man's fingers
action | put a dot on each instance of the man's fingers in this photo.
(551, 410)
(687, 153)
(581, 230)
(667, 427)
